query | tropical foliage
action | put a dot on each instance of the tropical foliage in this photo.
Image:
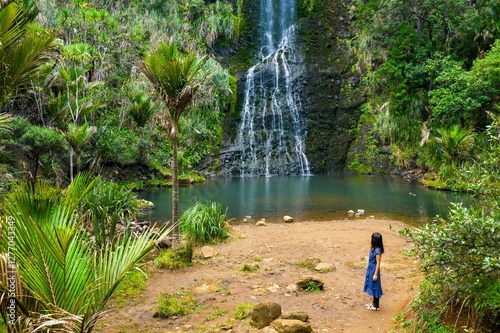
(80, 80)
(23, 50)
(63, 280)
(177, 79)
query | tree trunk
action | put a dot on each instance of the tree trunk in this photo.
(71, 164)
(175, 190)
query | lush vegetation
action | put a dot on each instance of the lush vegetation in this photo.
(431, 71)
(96, 85)
(70, 80)
(54, 274)
(460, 256)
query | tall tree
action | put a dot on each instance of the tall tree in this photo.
(77, 137)
(176, 78)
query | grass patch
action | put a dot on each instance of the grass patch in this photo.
(217, 313)
(204, 223)
(309, 263)
(241, 312)
(131, 286)
(313, 288)
(254, 267)
(172, 260)
(177, 304)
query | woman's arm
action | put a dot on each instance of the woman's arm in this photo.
(378, 258)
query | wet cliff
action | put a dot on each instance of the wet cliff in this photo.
(329, 87)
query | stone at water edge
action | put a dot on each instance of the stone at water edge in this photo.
(144, 204)
(287, 218)
(350, 212)
(260, 223)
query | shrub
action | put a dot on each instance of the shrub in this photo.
(460, 258)
(107, 205)
(204, 223)
(118, 145)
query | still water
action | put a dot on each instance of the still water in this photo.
(311, 198)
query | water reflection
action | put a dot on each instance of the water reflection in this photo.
(311, 198)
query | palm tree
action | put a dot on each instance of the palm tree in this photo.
(22, 51)
(455, 143)
(77, 137)
(62, 281)
(176, 78)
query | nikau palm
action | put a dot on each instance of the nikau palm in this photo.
(22, 52)
(176, 78)
(63, 280)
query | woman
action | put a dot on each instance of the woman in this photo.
(373, 285)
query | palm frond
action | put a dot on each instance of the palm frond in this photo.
(64, 281)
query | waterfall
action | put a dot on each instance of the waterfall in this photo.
(271, 135)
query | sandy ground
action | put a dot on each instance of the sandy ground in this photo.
(220, 286)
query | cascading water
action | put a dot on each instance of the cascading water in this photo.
(271, 135)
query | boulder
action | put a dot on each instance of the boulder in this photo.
(291, 326)
(350, 212)
(325, 267)
(360, 211)
(264, 314)
(287, 218)
(297, 315)
(144, 204)
(260, 223)
(207, 252)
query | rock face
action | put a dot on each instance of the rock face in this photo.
(329, 90)
(264, 314)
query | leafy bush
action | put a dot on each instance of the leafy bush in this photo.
(461, 261)
(204, 223)
(117, 145)
(107, 205)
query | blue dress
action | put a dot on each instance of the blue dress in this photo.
(373, 288)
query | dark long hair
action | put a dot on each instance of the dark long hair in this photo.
(377, 241)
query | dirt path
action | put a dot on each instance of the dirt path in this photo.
(220, 286)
